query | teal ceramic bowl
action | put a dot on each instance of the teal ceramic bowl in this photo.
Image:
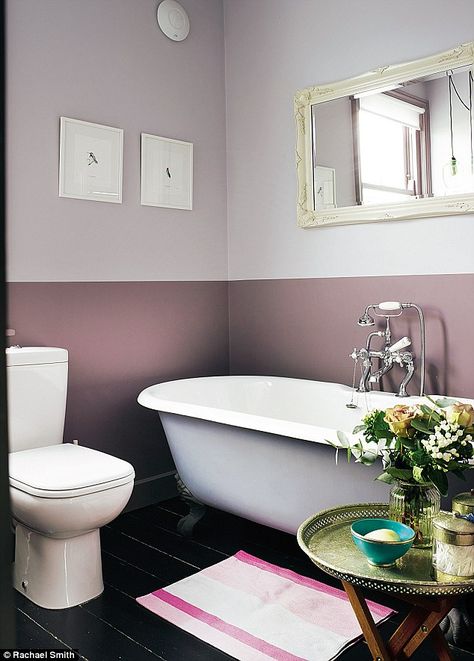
(382, 554)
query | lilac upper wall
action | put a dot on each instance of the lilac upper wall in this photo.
(107, 61)
(273, 48)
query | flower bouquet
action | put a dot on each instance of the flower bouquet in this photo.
(419, 446)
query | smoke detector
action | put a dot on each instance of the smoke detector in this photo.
(173, 20)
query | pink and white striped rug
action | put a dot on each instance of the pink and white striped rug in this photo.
(256, 611)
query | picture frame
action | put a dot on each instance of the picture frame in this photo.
(90, 161)
(166, 172)
(324, 188)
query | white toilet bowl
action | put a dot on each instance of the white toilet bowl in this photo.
(60, 496)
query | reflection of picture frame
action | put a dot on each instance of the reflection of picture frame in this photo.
(166, 172)
(324, 188)
(90, 161)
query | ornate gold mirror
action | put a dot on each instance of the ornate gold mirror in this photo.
(394, 143)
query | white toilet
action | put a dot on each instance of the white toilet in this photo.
(61, 494)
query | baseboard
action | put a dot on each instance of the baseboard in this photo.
(154, 489)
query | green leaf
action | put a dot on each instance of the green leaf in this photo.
(420, 424)
(444, 402)
(440, 481)
(343, 440)
(420, 458)
(407, 443)
(418, 474)
(455, 465)
(367, 459)
(356, 449)
(385, 477)
(358, 429)
(400, 473)
(431, 413)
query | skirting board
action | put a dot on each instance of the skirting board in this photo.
(154, 489)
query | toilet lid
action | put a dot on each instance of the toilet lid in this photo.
(66, 470)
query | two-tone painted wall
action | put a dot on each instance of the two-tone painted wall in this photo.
(296, 295)
(141, 294)
(136, 294)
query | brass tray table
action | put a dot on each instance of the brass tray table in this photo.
(326, 538)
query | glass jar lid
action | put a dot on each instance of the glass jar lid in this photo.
(449, 528)
(464, 502)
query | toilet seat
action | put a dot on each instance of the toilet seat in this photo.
(66, 471)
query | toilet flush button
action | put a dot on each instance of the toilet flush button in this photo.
(24, 585)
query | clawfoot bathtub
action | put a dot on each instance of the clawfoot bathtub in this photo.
(256, 446)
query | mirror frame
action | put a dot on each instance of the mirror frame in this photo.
(450, 205)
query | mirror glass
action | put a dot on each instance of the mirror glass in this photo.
(399, 143)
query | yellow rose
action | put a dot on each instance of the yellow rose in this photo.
(462, 414)
(399, 419)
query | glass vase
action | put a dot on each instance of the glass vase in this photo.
(415, 505)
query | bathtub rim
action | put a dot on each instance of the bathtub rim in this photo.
(272, 425)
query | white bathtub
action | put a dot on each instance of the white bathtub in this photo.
(255, 446)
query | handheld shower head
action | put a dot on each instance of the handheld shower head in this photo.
(366, 319)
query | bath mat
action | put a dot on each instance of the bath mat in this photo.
(256, 611)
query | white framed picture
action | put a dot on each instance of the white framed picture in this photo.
(90, 161)
(166, 172)
(324, 188)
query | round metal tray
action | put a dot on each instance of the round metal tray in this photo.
(326, 538)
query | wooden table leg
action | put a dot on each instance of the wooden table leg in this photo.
(410, 625)
(367, 624)
(428, 627)
(422, 622)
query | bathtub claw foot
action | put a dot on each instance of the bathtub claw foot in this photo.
(197, 509)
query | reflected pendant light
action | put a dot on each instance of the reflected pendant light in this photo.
(451, 169)
(454, 166)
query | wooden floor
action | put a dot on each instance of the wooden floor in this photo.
(142, 552)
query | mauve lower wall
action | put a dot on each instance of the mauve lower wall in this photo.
(308, 327)
(122, 337)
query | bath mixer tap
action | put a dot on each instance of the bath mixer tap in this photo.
(389, 354)
(388, 357)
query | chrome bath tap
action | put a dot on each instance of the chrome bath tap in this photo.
(390, 354)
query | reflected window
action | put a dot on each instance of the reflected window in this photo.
(391, 147)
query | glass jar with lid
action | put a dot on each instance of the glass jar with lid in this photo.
(453, 547)
(464, 502)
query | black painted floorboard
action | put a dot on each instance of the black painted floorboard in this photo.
(141, 552)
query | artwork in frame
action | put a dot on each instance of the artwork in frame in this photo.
(90, 161)
(166, 172)
(324, 188)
